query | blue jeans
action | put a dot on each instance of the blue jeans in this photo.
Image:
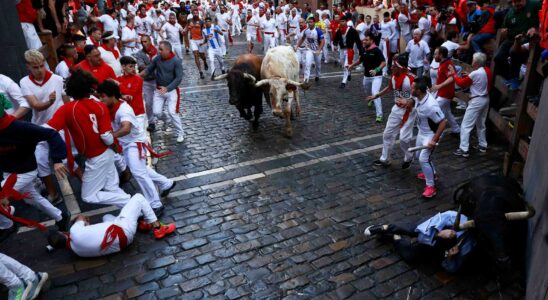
(479, 39)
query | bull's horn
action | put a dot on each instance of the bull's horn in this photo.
(467, 225)
(263, 82)
(294, 82)
(520, 215)
(250, 77)
(221, 77)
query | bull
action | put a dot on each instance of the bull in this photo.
(498, 216)
(280, 73)
(241, 81)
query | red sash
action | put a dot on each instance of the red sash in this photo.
(144, 146)
(113, 232)
(399, 83)
(11, 194)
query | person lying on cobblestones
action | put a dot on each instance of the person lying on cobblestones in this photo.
(130, 133)
(436, 240)
(112, 235)
(22, 282)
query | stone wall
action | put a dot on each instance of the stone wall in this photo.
(12, 42)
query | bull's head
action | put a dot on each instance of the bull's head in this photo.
(237, 82)
(279, 89)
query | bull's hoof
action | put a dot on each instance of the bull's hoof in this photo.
(289, 132)
(256, 124)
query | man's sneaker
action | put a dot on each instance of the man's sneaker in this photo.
(63, 224)
(202, 75)
(317, 79)
(429, 192)
(349, 77)
(406, 164)
(158, 211)
(164, 230)
(36, 285)
(151, 127)
(180, 138)
(422, 177)
(342, 85)
(381, 163)
(144, 226)
(223, 71)
(378, 119)
(460, 152)
(187, 51)
(18, 293)
(206, 67)
(374, 230)
(168, 190)
(480, 148)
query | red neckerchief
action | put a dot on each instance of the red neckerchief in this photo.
(114, 51)
(373, 46)
(261, 15)
(10, 193)
(47, 76)
(113, 232)
(171, 55)
(416, 43)
(79, 50)
(6, 120)
(359, 22)
(70, 63)
(343, 28)
(94, 42)
(149, 6)
(248, 18)
(151, 51)
(130, 27)
(142, 16)
(114, 109)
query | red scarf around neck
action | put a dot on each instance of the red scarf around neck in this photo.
(171, 55)
(114, 109)
(70, 64)
(151, 51)
(47, 76)
(94, 42)
(6, 120)
(113, 50)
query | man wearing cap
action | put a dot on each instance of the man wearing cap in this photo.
(95, 64)
(401, 118)
(110, 53)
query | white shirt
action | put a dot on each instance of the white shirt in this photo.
(133, 8)
(388, 30)
(86, 241)
(172, 32)
(215, 41)
(323, 12)
(122, 15)
(223, 21)
(143, 25)
(480, 83)
(41, 92)
(109, 24)
(434, 66)
(109, 58)
(312, 38)
(405, 26)
(11, 90)
(427, 108)
(252, 25)
(125, 114)
(425, 25)
(269, 25)
(62, 70)
(451, 47)
(417, 53)
(294, 22)
(361, 28)
(281, 21)
(129, 34)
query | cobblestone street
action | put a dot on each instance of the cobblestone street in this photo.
(261, 216)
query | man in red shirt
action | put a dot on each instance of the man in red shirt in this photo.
(88, 122)
(95, 65)
(131, 87)
(445, 86)
(27, 16)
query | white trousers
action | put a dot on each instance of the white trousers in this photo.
(224, 42)
(213, 54)
(445, 105)
(100, 183)
(475, 115)
(148, 95)
(269, 41)
(427, 166)
(325, 50)
(343, 61)
(281, 37)
(171, 99)
(178, 49)
(384, 48)
(393, 128)
(31, 36)
(312, 58)
(145, 176)
(236, 25)
(25, 184)
(14, 273)
(371, 86)
(120, 163)
(42, 156)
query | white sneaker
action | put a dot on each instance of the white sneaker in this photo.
(180, 138)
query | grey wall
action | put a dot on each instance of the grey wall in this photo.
(535, 180)
(12, 42)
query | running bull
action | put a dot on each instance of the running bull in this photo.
(280, 73)
(498, 215)
(241, 81)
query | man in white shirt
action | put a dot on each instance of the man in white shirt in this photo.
(235, 16)
(171, 31)
(158, 21)
(129, 37)
(12, 91)
(68, 58)
(293, 21)
(418, 53)
(114, 234)
(327, 37)
(143, 22)
(212, 39)
(252, 30)
(270, 31)
(314, 42)
(361, 28)
(451, 44)
(323, 11)
(404, 20)
(389, 43)
(425, 25)
(281, 22)
(110, 23)
(224, 22)
(110, 53)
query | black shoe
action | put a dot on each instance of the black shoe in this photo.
(158, 211)
(460, 152)
(212, 76)
(166, 192)
(206, 67)
(151, 127)
(187, 51)
(5, 233)
(381, 163)
(406, 165)
(223, 71)
(202, 75)
(317, 78)
(374, 230)
(342, 85)
(349, 77)
(63, 224)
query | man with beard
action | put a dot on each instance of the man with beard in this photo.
(197, 47)
(171, 32)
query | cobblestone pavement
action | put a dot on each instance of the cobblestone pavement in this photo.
(262, 216)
